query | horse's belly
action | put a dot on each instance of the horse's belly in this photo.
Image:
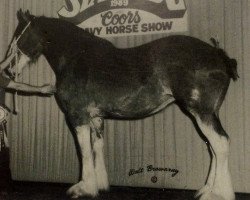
(131, 108)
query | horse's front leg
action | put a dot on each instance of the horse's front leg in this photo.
(88, 185)
(97, 126)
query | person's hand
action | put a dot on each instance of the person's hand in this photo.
(48, 89)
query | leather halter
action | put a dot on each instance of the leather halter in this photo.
(14, 43)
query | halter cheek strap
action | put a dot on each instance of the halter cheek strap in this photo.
(23, 31)
(14, 43)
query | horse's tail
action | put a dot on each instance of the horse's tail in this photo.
(232, 68)
(230, 62)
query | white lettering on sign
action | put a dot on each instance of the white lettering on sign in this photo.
(87, 4)
(176, 5)
(126, 17)
(172, 4)
(156, 1)
(76, 9)
(115, 3)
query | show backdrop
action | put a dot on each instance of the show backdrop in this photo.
(42, 148)
(109, 18)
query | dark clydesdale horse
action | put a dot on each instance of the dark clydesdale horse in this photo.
(96, 81)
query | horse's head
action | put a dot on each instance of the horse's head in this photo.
(27, 40)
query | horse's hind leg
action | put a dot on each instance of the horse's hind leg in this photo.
(97, 125)
(222, 185)
(88, 185)
(211, 176)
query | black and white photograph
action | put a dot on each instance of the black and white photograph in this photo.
(124, 99)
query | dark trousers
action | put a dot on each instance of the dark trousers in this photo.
(5, 174)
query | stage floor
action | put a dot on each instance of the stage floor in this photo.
(48, 191)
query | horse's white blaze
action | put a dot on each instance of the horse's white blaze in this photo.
(23, 61)
(222, 181)
(100, 169)
(88, 185)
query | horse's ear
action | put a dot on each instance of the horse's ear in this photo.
(28, 15)
(20, 15)
(24, 17)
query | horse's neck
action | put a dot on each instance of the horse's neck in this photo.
(64, 47)
(56, 60)
(61, 53)
(58, 54)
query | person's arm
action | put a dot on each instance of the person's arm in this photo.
(7, 61)
(13, 52)
(45, 89)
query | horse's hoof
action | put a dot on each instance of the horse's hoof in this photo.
(103, 184)
(81, 189)
(102, 180)
(207, 194)
(204, 190)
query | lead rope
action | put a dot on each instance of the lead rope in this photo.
(14, 48)
(16, 79)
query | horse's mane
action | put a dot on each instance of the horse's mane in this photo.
(65, 31)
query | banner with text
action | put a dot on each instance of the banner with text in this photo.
(107, 18)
